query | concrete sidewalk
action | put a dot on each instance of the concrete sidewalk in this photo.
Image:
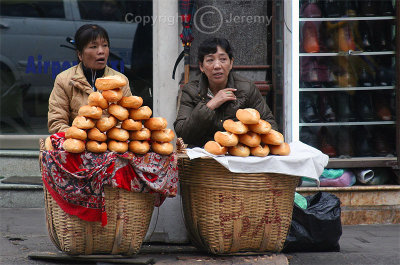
(23, 232)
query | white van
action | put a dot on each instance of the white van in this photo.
(34, 49)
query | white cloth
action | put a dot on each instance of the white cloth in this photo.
(303, 161)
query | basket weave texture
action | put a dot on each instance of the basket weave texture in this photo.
(128, 214)
(228, 213)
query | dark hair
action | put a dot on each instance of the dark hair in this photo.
(209, 46)
(87, 33)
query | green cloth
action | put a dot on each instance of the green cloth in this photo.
(300, 200)
(332, 173)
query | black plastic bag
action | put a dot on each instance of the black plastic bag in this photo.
(317, 228)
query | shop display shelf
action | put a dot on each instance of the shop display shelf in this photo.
(347, 18)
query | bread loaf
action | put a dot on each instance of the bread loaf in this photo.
(236, 127)
(131, 102)
(118, 134)
(118, 112)
(166, 135)
(92, 112)
(215, 148)
(162, 148)
(239, 150)
(139, 147)
(142, 113)
(74, 145)
(226, 138)
(272, 137)
(48, 144)
(83, 122)
(250, 139)
(96, 147)
(262, 127)
(248, 116)
(117, 146)
(156, 123)
(113, 95)
(131, 125)
(260, 150)
(110, 82)
(76, 133)
(283, 149)
(97, 99)
(140, 135)
(96, 135)
(106, 123)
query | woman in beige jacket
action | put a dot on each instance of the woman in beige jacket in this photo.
(73, 86)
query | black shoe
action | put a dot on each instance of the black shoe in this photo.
(365, 77)
(345, 107)
(344, 142)
(308, 109)
(350, 8)
(332, 8)
(383, 36)
(363, 142)
(326, 142)
(386, 8)
(368, 8)
(325, 107)
(364, 106)
(366, 36)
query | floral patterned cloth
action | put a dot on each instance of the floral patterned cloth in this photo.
(76, 181)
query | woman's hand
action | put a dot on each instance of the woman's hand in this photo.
(224, 95)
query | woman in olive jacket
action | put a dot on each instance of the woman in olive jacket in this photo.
(73, 86)
(205, 103)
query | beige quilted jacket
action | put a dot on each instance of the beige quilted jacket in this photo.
(71, 91)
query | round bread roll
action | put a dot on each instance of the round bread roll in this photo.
(97, 99)
(165, 135)
(116, 146)
(262, 127)
(96, 147)
(140, 135)
(215, 148)
(248, 116)
(261, 150)
(83, 123)
(272, 137)
(139, 147)
(283, 149)
(48, 145)
(113, 95)
(236, 127)
(162, 148)
(76, 133)
(226, 138)
(106, 123)
(131, 125)
(96, 135)
(156, 123)
(142, 113)
(74, 145)
(131, 102)
(118, 134)
(250, 139)
(239, 150)
(92, 112)
(118, 112)
(110, 82)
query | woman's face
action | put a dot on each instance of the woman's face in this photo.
(95, 54)
(216, 67)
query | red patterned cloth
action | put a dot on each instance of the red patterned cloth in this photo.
(76, 181)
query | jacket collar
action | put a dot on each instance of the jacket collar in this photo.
(203, 83)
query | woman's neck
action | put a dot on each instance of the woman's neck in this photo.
(91, 75)
(215, 88)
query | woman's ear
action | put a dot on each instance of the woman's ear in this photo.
(79, 55)
(230, 67)
(201, 67)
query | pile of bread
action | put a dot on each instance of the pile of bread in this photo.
(249, 136)
(127, 126)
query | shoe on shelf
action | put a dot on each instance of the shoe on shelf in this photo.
(363, 141)
(365, 36)
(368, 8)
(308, 109)
(345, 107)
(326, 142)
(350, 8)
(365, 77)
(325, 107)
(332, 8)
(344, 142)
(381, 143)
(386, 8)
(310, 9)
(381, 102)
(364, 105)
(310, 37)
(346, 38)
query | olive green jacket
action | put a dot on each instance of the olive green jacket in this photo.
(197, 124)
(71, 91)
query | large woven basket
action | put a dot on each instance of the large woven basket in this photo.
(227, 213)
(128, 215)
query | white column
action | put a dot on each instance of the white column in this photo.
(167, 223)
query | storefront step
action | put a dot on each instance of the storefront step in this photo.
(19, 163)
(21, 192)
(364, 204)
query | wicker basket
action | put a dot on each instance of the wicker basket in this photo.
(128, 215)
(228, 213)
